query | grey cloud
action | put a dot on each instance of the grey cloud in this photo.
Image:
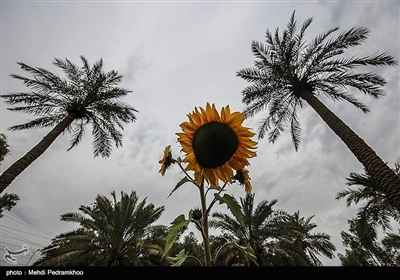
(175, 56)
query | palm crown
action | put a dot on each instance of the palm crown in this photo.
(88, 94)
(286, 68)
(111, 232)
(287, 72)
(276, 237)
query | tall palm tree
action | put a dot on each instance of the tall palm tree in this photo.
(288, 73)
(111, 233)
(86, 95)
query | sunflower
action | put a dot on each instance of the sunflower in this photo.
(215, 144)
(166, 161)
(244, 179)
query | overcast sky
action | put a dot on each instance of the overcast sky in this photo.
(174, 56)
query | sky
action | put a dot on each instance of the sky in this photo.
(175, 56)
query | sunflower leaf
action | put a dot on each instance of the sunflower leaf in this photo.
(248, 251)
(174, 229)
(232, 205)
(180, 183)
(179, 258)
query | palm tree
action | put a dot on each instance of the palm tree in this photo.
(364, 249)
(259, 221)
(7, 200)
(4, 147)
(87, 95)
(276, 237)
(288, 73)
(304, 245)
(376, 210)
(392, 242)
(111, 233)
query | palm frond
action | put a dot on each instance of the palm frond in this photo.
(38, 110)
(335, 93)
(37, 123)
(102, 142)
(253, 74)
(261, 51)
(71, 70)
(72, 217)
(315, 46)
(295, 130)
(277, 119)
(77, 133)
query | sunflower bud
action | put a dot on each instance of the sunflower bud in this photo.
(243, 178)
(197, 214)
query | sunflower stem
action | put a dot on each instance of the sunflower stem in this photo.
(187, 175)
(215, 200)
(206, 239)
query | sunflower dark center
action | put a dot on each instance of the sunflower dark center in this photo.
(214, 144)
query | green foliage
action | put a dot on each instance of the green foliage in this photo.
(363, 248)
(273, 237)
(7, 201)
(111, 233)
(364, 188)
(362, 245)
(4, 147)
(179, 223)
(247, 251)
(179, 259)
(192, 248)
(180, 183)
(232, 205)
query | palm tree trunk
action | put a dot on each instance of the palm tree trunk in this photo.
(373, 164)
(20, 165)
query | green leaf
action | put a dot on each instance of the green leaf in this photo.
(233, 206)
(248, 251)
(180, 258)
(176, 225)
(180, 183)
